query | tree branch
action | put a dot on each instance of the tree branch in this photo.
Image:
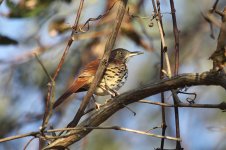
(221, 106)
(98, 117)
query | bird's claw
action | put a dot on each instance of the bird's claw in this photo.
(97, 106)
(108, 100)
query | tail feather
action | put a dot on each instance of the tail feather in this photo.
(62, 98)
(75, 87)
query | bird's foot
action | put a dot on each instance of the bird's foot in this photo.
(114, 94)
(108, 100)
(110, 91)
(97, 106)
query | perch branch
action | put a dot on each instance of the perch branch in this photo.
(98, 117)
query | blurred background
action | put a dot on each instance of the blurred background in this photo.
(43, 27)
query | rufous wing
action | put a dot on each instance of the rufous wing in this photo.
(84, 79)
(90, 69)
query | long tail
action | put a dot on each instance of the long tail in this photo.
(75, 87)
(63, 97)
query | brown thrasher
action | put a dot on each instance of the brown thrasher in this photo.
(114, 76)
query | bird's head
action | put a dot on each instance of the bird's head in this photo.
(121, 54)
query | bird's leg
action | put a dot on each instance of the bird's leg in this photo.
(97, 105)
(114, 94)
(134, 113)
(111, 91)
(108, 91)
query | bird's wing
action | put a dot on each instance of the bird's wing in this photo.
(77, 84)
(90, 69)
(84, 78)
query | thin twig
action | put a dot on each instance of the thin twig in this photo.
(176, 69)
(176, 37)
(48, 105)
(214, 6)
(163, 52)
(176, 101)
(25, 147)
(221, 106)
(34, 134)
(70, 40)
(123, 129)
(162, 40)
(142, 132)
(43, 67)
(157, 127)
(97, 18)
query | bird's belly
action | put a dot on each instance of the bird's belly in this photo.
(100, 92)
(114, 78)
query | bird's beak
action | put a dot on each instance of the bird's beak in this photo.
(135, 53)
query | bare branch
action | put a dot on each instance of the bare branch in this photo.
(25, 147)
(221, 106)
(47, 137)
(176, 70)
(34, 134)
(98, 117)
(43, 67)
(164, 54)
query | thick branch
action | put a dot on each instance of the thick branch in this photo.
(98, 117)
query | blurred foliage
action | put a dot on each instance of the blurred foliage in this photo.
(23, 83)
(105, 141)
(7, 123)
(4, 40)
(58, 26)
(29, 8)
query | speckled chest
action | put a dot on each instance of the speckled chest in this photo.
(114, 78)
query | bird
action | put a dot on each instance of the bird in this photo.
(112, 80)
